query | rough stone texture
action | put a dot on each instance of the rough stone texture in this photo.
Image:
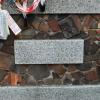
(67, 6)
(49, 51)
(51, 93)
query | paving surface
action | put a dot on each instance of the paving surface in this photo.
(49, 51)
(51, 93)
(67, 6)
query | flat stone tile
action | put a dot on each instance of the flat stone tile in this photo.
(49, 51)
(51, 93)
(66, 6)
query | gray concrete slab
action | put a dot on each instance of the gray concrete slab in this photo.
(66, 6)
(49, 51)
(51, 93)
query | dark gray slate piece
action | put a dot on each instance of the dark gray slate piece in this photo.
(49, 51)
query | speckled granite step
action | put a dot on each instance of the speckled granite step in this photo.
(51, 93)
(66, 6)
(49, 51)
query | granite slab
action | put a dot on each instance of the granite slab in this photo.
(49, 51)
(65, 6)
(51, 93)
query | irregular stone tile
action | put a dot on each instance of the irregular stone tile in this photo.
(90, 48)
(53, 23)
(6, 61)
(86, 23)
(40, 24)
(8, 45)
(57, 36)
(74, 77)
(91, 74)
(28, 34)
(2, 74)
(85, 66)
(41, 35)
(82, 35)
(48, 51)
(97, 55)
(98, 71)
(59, 69)
(68, 26)
(71, 68)
(77, 21)
(44, 27)
(77, 75)
(37, 71)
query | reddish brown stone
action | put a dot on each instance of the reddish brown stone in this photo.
(71, 68)
(5, 61)
(40, 25)
(46, 17)
(54, 25)
(91, 75)
(77, 22)
(86, 23)
(44, 27)
(92, 34)
(12, 79)
(59, 69)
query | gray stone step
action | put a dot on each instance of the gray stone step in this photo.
(66, 6)
(51, 93)
(49, 51)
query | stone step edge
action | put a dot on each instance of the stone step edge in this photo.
(83, 92)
